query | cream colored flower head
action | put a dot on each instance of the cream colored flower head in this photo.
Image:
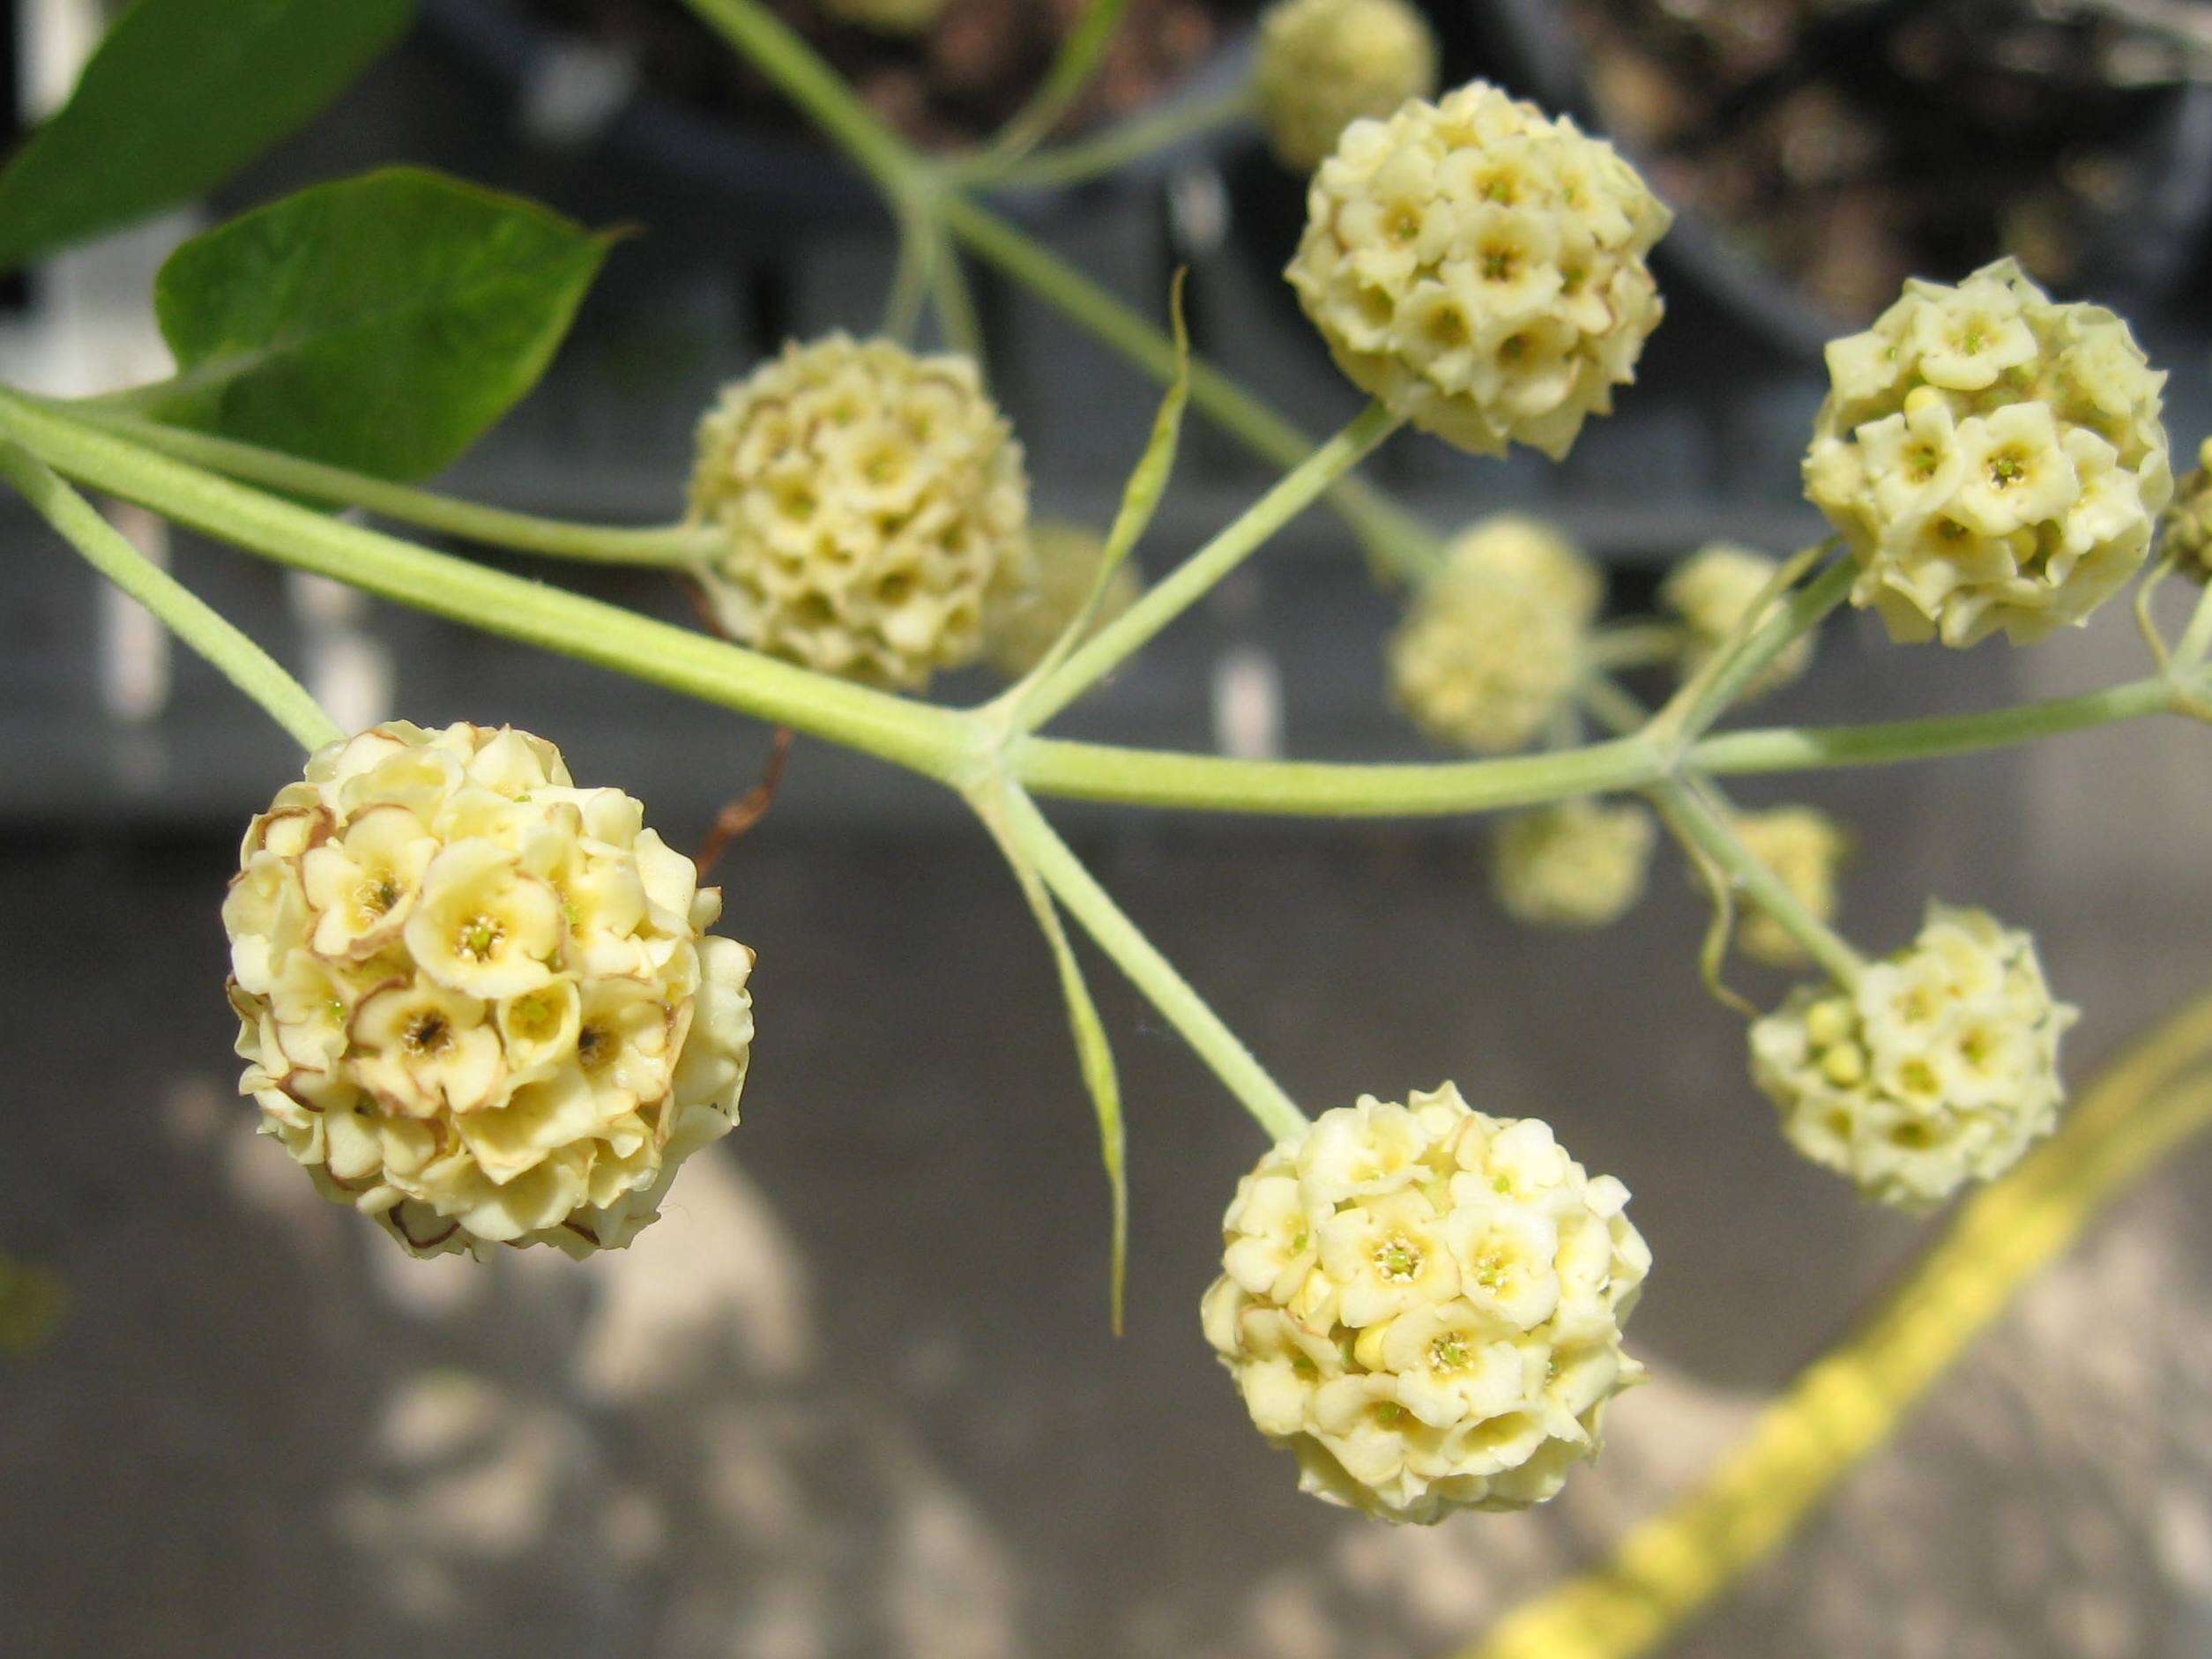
(1805, 848)
(1712, 590)
(1480, 268)
(1490, 648)
(477, 1002)
(1940, 1068)
(871, 503)
(1020, 625)
(2187, 536)
(1577, 864)
(1993, 459)
(1423, 1304)
(1325, 63)
(888, 16)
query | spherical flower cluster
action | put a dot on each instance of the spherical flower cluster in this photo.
(1325, 63)
(2186, 538)
(476, 1001)
(1991, 459)
(1490, 648)
(1577, 864)
(888, 16)
(1480, 270)
(1711, 591)
(1423, 1304)
(1942, 1065)
(1020, 625)
(871, 503)
(1805, 847)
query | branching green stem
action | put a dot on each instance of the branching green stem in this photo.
(1714, 689)
(1130, 141)
(109, 550)
(663, 545)
(1196, 576)
(1079, 57)
(1150, 972)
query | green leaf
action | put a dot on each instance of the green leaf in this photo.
(379, 323)
(180, 95)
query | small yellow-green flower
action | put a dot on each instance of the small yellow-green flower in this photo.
(872, 502)
(1805, 847)
(1325, 63)
(2187, 535)
(1577, 864)
(1711, 591)
(1480, 268)
(1423, 1304)
(1941, 1066)
(1020, 625)
(1992, 458)
(477, 1002)
(1492, 647)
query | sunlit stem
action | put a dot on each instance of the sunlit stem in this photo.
(109, 550)
(1703, 826)
(664, 544)
(1149, 971)
(1196, 576)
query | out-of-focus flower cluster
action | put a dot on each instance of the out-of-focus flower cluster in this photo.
(1490, 648)
(476, 1001)
(1712, 591)
(1020, 624)
(872, 502)
(2187, 535)
(1578, 864)
(1940, 1067)
(1480, 268)
(1993, 459)
(1325, 63)
(1424, 1303)
(1803, 846)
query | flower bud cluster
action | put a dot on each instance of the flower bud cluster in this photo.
(2187, 536)
(1711, 592)
(1993, 459)
(1577, 864)
(1020, 625)
(1325, 63)
(1480, 268)
(1424, 1303)
(1490, 648)
(476, 1001)
(1940, 1067)
(871, 503)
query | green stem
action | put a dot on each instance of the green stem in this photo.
(936, 742)
(109, 550)
(1396, 540)
(1700, 825)
(1149, 971)
(1709, 693)
(956, 305)
(1078, 61)
(2196, 639)
(1196, 576)
(1634, 646)
(666, 545)
(1125, 142)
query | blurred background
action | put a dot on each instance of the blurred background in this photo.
(855, 1394)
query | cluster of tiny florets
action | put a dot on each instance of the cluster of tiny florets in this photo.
(1425, 1303)
(1021, 624)
(477, 1002)
(2185, 535)
(871, 503)
(1324, 64)
(1577, 864)
(1490, 648)
(1712, 591)
(1993, 459)
(1480, 268)
(1940, 1067)
(1805, 848)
